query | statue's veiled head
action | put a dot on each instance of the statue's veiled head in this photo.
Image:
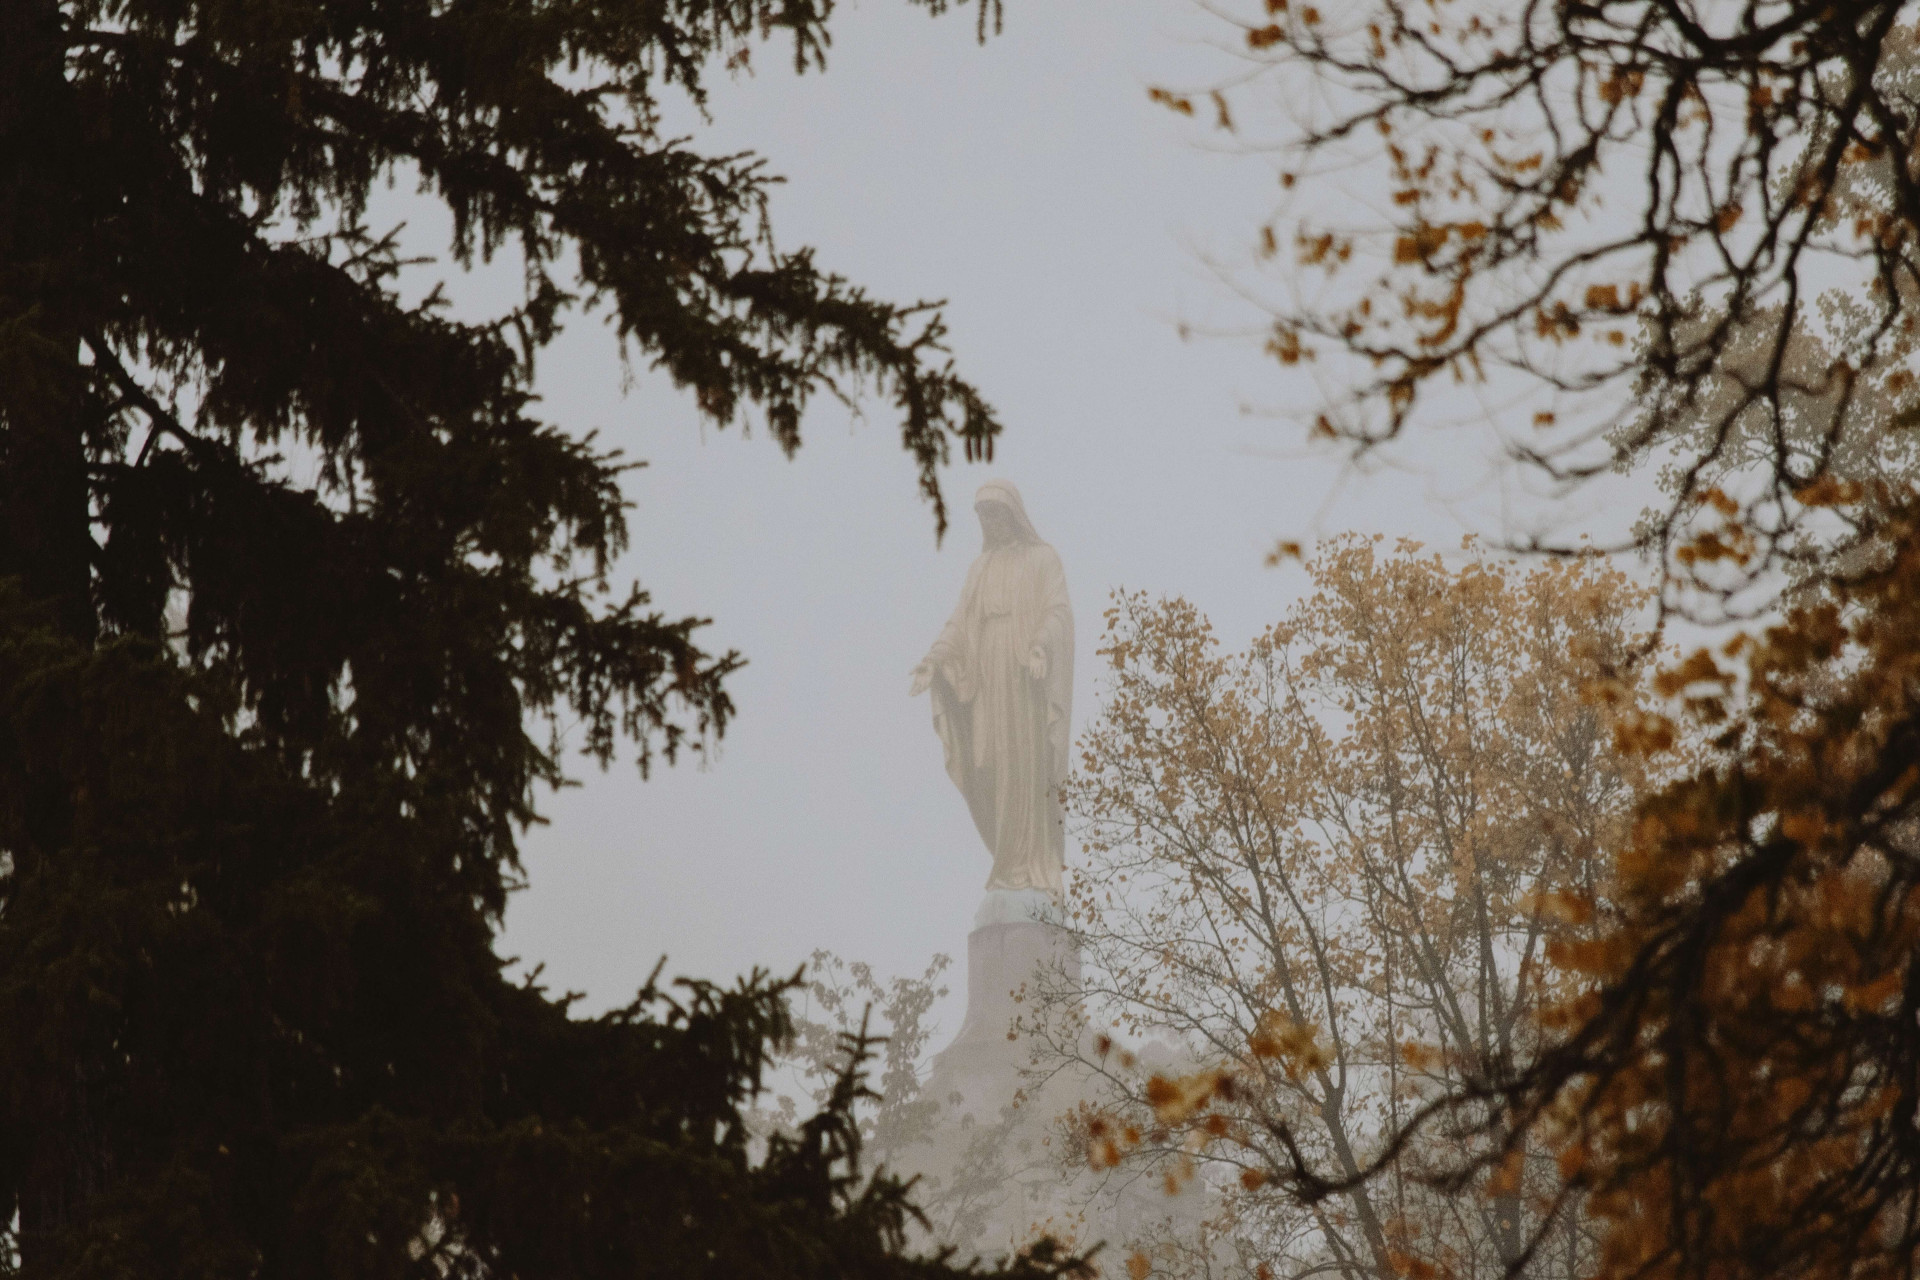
(1003, 517)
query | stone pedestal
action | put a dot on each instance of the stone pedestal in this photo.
(978, 1074)
(996, 1168)
(991, 1160)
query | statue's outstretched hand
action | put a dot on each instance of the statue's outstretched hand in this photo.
(1037, 663)
(922, 678)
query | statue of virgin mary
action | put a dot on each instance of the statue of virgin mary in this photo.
(1001, 674)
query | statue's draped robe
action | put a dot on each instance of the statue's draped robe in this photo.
(1005, 733)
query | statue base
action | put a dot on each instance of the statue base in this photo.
(990, 1176)
(997, 1168)
(1016, 944)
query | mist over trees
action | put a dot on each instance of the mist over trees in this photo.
(1678, 241)
(1338, 859)
(1681, 239)
(1456, 927)
(1325, 884)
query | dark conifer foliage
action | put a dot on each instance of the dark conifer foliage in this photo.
(292, 574)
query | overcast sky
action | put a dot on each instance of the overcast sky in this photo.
(1068, 221)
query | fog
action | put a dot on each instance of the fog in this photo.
(1071, 225)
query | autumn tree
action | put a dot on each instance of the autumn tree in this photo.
(1733, 1092)
(1641, 234)
(295, 581)
(1677, 237)
(1325, 872)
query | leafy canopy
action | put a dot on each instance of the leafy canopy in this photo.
(1330, 867)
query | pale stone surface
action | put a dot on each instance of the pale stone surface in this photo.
(995, 1167)
(1018, 906)
(979, 1071)
(1001, 674)
(999, 1160)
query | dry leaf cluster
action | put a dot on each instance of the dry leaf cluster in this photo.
(1632, 232)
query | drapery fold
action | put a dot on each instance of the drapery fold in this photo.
(1005, 732)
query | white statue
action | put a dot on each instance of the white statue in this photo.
(1002, 680)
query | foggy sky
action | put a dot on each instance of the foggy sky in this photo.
(1066, 219)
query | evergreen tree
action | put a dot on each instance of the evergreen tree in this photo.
(291, 577)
